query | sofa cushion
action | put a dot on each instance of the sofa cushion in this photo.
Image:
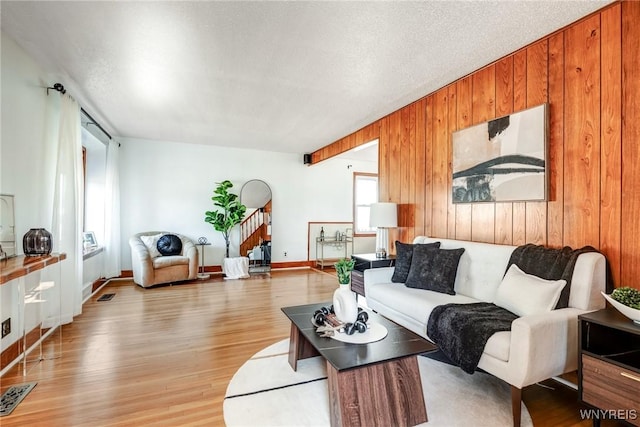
(170, 261)
(525, 294)
(170, 244)
(434, 269)
(415, 304)
(404, 256)
(151, 242)
(499, 345)
(481, 267)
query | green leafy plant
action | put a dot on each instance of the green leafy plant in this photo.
(627, 296)
(231, 213)
(344, 268)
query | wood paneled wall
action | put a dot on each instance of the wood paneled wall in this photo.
(589, 75)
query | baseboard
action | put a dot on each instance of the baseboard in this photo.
(292, 264)
(124, 274)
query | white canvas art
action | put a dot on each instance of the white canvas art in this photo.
(502, 160)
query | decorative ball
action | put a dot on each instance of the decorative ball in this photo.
(350, 328)
(202, 240)
(363, 316)
(319, 318)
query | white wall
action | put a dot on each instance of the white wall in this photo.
(167, 186)
(164, 185)
(25, 144)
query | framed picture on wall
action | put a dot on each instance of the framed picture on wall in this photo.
(89, 239)
(502, 160)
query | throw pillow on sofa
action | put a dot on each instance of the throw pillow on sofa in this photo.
(404, 255)
(525, 294)
(434, 269)
(151, 242)
(169, 244)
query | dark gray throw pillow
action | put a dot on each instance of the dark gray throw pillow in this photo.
(434, 270)
(169, 244)
(404, 255)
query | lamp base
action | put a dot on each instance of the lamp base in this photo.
(381, 253)
(382, 241)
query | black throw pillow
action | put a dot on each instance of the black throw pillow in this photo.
(169, 244)
(434, 270)
(404, 255)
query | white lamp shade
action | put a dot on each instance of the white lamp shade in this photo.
(384, 215)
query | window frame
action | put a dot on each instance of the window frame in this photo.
(356, 176)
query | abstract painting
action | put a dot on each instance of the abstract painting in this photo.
(502, 160)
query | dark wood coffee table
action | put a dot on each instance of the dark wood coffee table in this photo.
(375, 384)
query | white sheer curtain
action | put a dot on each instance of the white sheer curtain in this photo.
(112, 213)
(68, 207)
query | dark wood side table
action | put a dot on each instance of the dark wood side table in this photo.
(609, 366)
(364, 262)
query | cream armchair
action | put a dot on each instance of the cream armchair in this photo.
(151, 268)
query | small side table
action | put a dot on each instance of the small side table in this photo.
(609, 365)
(202, 275)
(364, 262)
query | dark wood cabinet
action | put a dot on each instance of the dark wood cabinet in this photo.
(364, 262)
(609, 366)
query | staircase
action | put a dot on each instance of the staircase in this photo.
(253, 230)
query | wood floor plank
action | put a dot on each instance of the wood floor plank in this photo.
(164, 356)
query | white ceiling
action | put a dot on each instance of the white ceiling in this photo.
(279, 76)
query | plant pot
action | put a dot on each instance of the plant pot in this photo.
(37, 242)
(345, 304)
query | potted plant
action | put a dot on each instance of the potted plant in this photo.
(627, 301)
(231, 213)
(343, 269)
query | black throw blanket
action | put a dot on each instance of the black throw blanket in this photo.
(462, 330)
(548, 263)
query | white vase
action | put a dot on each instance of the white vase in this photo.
(345, 304)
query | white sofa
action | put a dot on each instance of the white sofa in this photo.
(538, 346)
(150, 269)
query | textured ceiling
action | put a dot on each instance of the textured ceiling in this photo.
(280, 76)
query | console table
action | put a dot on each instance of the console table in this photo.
(364, 262)
(609, 365)
(341, 245)
(31, 285)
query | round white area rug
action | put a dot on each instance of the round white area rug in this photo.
(267, 392)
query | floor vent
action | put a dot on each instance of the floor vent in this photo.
(106, 297)
(13, 396)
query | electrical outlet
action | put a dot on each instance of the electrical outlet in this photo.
(6, 327)
(285, 253)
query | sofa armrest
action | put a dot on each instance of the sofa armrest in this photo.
(543, 346)
(141, 262)
(377, 275)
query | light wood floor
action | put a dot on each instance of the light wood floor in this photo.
(164, 356)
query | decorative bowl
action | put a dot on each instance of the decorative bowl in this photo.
(629, 312)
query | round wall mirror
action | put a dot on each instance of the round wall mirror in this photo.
(255, 230)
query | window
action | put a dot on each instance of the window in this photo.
(365, 192)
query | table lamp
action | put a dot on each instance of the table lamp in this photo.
(383, 216)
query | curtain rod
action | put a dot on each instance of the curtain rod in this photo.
(60, 88)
